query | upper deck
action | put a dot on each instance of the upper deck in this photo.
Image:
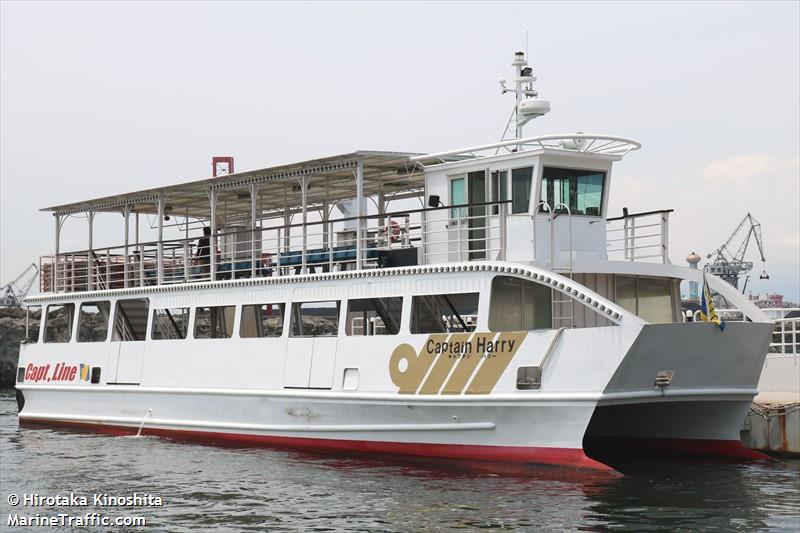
(540, 200)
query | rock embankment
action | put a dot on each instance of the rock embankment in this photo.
(12, 331)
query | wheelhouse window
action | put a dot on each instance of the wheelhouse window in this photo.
(444, 313)
(170, 323)
(458, 195)
(521, 180)
(374, 316)
(93, 321)
(581, 190)
(33, 321)
(130, 320)
(519, 305)
(214, 322)
(262, 320)
(648, 298)
(58, 323)
(499, 189)
(315, 319)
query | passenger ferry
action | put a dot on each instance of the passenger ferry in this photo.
(480, 304)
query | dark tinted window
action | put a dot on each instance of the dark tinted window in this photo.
(170, 323)
(581, 190)
(262, 320)
(58, 324)
(130, 319)
(374, 316)
(521, 179)
(93, 321)
(214, 322)
(33, 322)
(315, 319)
(444, 313)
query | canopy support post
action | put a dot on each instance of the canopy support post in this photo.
(360, 214)
(304, 197)
(212, 198)
(59, 219)
(161, 204)
(126, 214)
(253, 208)
(90, 255)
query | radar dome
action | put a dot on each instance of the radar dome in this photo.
(533, 107)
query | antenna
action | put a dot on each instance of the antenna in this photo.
(526, 44)
(528, 106)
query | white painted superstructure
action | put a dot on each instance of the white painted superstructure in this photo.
(512, 319)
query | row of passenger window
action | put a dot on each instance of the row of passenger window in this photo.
(439, 313)
(515, 305)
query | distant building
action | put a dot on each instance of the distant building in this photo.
(770, 300)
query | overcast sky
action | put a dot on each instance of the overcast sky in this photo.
(103, 98)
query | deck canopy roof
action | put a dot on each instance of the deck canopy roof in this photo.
(330, 179)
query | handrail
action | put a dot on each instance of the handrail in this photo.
(396, 214)
(642, 214)
(551, 347)
(624, 144)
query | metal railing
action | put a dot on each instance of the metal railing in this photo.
(327, 246)
(639, 236)
(786, 337)
(470, 233)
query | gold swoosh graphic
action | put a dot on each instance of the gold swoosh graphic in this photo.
(443, 365)
(467, 364)
(495, 363)
(417, 365)
(492, 351)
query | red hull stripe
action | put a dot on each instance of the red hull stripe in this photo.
(573, 457)
(732, 449)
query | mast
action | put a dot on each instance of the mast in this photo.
(527, 104)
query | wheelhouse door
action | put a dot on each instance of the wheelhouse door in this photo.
(476, 224)
(468, 225)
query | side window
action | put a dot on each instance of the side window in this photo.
(521, 179)
(33, 321)
(261, 320)
(374, 316)
(499, 189)
(519, 305)
(170, 323)
(648, 298)
(214, 322)
(444, 313)
(130, 319)
(93, 321)
(458, 194)
(58, 323)
(315, 319)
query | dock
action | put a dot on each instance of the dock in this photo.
(772, 424)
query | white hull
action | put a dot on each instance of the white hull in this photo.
(187, 389)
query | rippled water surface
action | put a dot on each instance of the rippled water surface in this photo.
(207, 488)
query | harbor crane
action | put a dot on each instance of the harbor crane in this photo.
(731, 266)
(13, 292)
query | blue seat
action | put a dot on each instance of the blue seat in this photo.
(291, 258)
(318, 256)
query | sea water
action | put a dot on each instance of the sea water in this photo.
(195, 488)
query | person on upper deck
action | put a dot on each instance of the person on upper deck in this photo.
(203, 253)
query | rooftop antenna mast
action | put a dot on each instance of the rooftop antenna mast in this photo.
(527, 104)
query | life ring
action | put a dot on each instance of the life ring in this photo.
(394, 231)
